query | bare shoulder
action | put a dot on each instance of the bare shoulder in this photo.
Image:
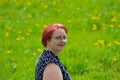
(52, 72)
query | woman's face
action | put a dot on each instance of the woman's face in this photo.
(57, 41)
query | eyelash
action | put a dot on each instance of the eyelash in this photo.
(64, 37)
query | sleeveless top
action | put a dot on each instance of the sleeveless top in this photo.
(49, 57)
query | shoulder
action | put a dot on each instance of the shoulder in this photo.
(52, 72)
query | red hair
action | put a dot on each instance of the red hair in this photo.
(47, 33)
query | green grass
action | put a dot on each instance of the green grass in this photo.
(93, 48)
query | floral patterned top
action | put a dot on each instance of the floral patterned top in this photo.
(49, 57)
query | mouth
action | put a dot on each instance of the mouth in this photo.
(61, 45)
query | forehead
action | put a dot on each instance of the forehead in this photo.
(58, 32)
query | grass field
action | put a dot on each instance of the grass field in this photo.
(93, 48)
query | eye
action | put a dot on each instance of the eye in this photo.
(64, 37)
(58, 37)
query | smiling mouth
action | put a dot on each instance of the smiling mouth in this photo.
(61, 45)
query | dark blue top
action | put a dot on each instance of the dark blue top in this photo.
(49, 57)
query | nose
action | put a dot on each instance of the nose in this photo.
(63, 40)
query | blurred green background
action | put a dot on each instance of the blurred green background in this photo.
(93, 48)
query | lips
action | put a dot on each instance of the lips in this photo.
(61, 45)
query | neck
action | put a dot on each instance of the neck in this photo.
(54, 51)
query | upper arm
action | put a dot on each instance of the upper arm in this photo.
(52, 72)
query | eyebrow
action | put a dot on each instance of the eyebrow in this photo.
(59, 36)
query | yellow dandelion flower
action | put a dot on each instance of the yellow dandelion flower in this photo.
(104, 30)
(58, 0)
(69, 21)
(94, 27)
(98, 18)
(54, 2)
(8, 27)
(30, 30)
(29, 3)
(78, 19)
(6, 34)
(38, 25)
(78, 8)
(104, 26)
(29, 16)
(96, 43)
(27, 33)
(18, 39)
(45, 6)
(45, 13)
(109, 44)
(19, 32)
(38, 49)
(99, 14)
(1, 1)
(119, 26)
(95, 10)
(114, 59)
(111, 26)
(113, 13)
(93, 17)
(117, 42)
(22, 38)
(83, 30)
(58, 10)
(101, 42)
(114, 19)
(8, 51)
(44, 26)
(15, 0)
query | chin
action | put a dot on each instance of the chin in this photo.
(61, 48)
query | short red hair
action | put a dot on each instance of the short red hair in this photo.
(47, 33)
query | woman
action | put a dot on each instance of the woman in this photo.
(49, 66)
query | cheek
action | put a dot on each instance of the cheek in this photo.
(54, 43)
